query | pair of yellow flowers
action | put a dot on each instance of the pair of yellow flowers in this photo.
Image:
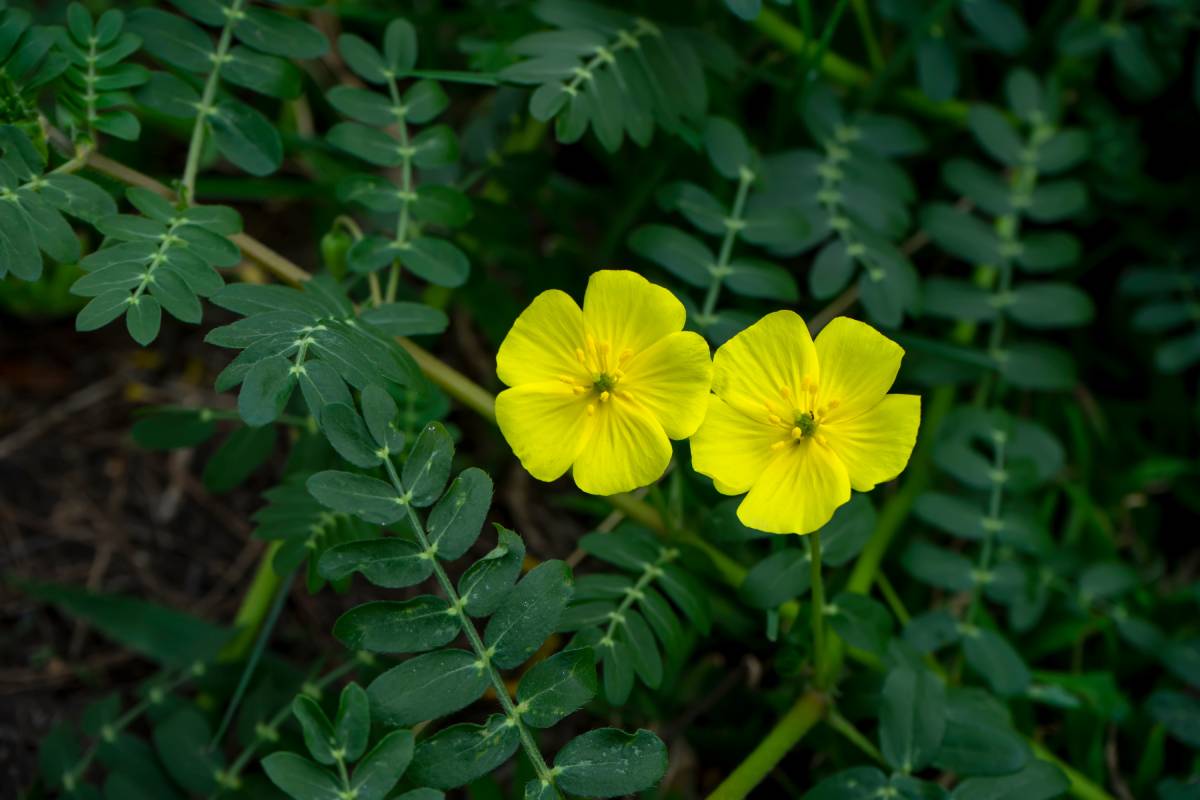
(794, 423)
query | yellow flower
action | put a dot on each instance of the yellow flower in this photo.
(601, 389)
(798, 424)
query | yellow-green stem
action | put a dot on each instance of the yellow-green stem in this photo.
(255, 605)
(790, 729)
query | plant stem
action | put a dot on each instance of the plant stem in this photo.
(851, 75)
(109, 732)
(733, 225)
(267, 731)
(870, 43)
(790, 729)
(188, 184)
(846, 728)
(818, 611)
(544, 773)
(406, 192)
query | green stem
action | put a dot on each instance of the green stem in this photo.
(790, 729)
(268, 731)
(852, 734)
(544, 773)
(851, 75)
(874, 53)
(188, 185)
(406, 189)
(256, 604)
(108, 733)
(733, 225)
(818, 611)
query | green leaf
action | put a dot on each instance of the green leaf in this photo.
(456, 521)
(979, 739)
(1064, 150)
(162, 634)
(618, 671)
(1037, 781)
(363, 105)
(529, 614)
(102, 309)
(319, 737)
(408, 626)
(172, 428)
(557, 687)
(428, 465)
(267, 75)
(727, 148)
(442, 205)
(400, 46)
(754, 277)
(427, 687)
(246, 137)
(938, 566)
(406, 319)
(392, 563)
(609, 763)
(461, 753)
(989, 654)
(379, 411)
(1178, 713)
(182, 742)
(383, 767)
(436, 260)
(857, 783)
(371, 145)
(362, 58)
(831, 270)
(300, 778)
(143, 319)
(861, 622)
(173, 40)
(995, 135)
(238, 457)
(687, 593)
(777, 578)
(279, 35)
(352, 725)
(435, 147)
(629, 547)
(368, 498)
(912, 717)
(423, 101)
(961, 234)
(684, 256)
(265, 390)
(1050, 305)
(173, 294)
(349, 436)
(997, 23)
(487, 582)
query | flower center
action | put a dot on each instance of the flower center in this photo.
(601, 372)
(799, 417)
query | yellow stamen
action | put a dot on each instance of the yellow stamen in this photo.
(797, 433)
(774, 419)
(591, 409)
(779, 444)
(604, 396)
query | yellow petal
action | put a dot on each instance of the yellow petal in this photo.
(731, 448)
(858, 366)
(670, 379)
(765, 364)
(546, 426)
(627, 312)
(542, 342)
(627, 449)
(876, 444)
(798, 492)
